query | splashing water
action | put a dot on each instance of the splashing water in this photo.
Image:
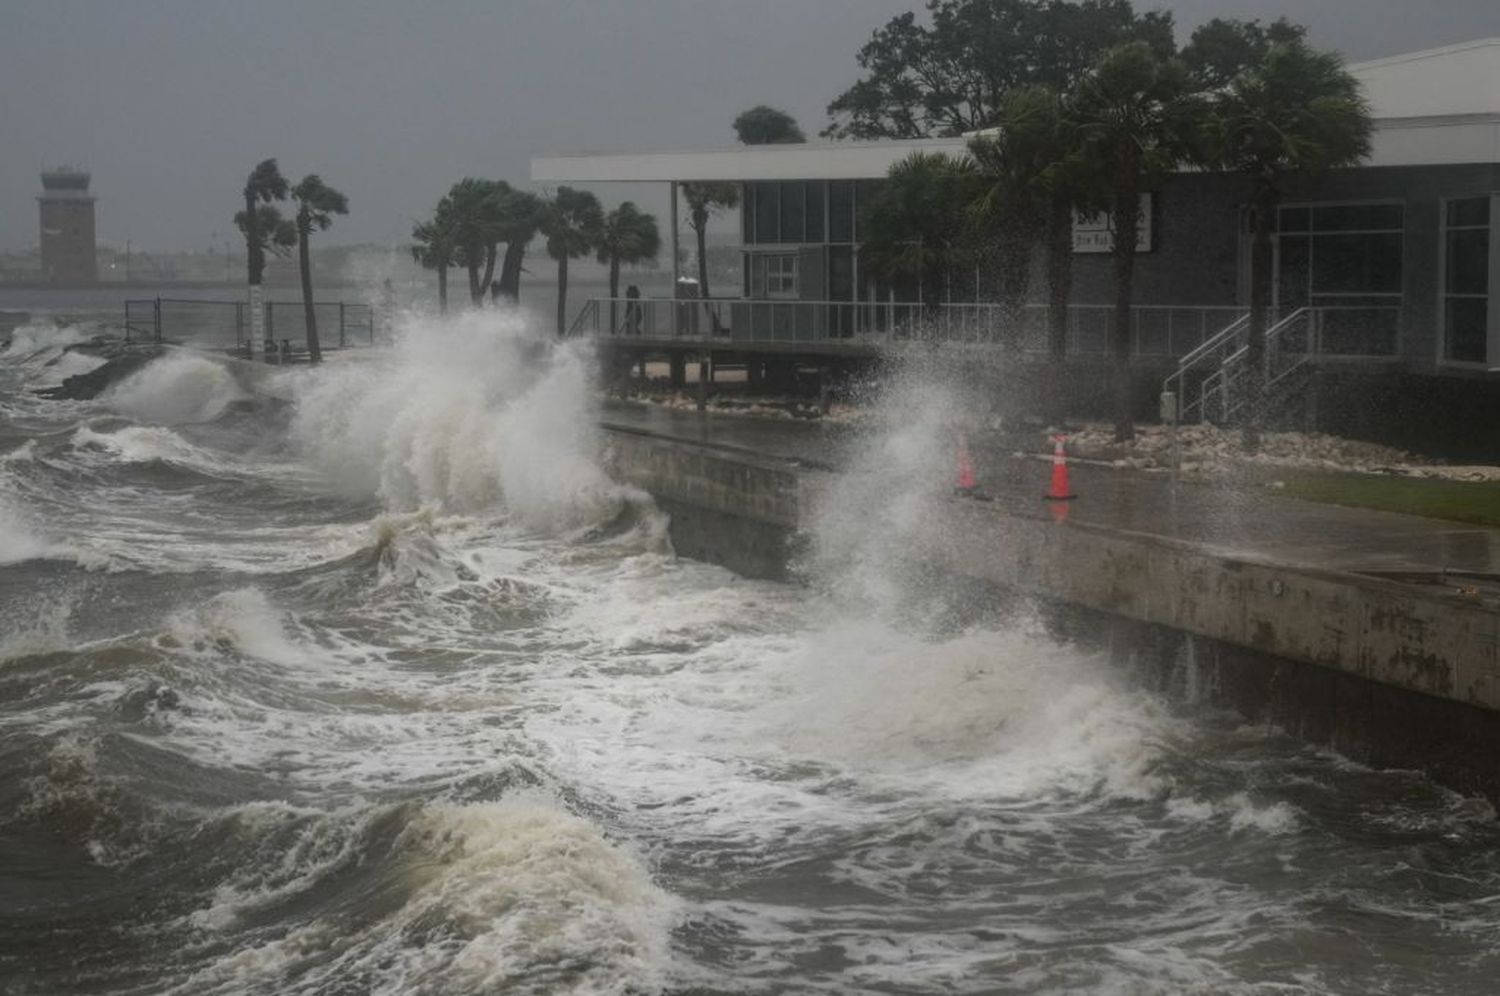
(464, 415)
(357, 703)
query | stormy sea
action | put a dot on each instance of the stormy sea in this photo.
(368, 679)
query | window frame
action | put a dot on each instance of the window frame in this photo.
(1491, 297)
(1311, 233)
(787, 279)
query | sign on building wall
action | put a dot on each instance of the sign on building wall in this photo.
(1094, 233)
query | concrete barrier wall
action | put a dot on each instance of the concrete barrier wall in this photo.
(1389, 673)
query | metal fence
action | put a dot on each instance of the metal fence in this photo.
(226, 324)
(1156, 331)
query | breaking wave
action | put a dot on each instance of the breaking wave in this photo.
(177, 389)
(466, 415)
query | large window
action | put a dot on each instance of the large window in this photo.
(781, 275)
(787, 212)
(773, 274)
(1347, 260)
(1339, 251)
(841, 211)
(1466, 279)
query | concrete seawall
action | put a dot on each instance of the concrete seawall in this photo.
(1392, 674)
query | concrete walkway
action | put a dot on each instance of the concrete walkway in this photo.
(1252, 524)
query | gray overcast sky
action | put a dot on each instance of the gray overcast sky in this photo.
(169, 102)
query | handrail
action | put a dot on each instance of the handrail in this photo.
(1191, 358)
(590, 310)
(1212, 347)
(1156, 330)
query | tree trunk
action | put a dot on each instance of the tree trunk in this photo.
(1263, 204)
(472, 261)
(510, 271)
(443, 289)
(1014, 277)
(614, 290)
(255, 255)
(701, 227)
(1059, 277)
(562, 296)
(489, 268)
(309, 315)
(1125, 216)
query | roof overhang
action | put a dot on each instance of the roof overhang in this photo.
(822, 161)
(1436, 141)
(1436, 107)
(1420, 141)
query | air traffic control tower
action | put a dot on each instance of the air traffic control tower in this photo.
(67, 227)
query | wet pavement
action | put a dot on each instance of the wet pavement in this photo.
(1250, 522)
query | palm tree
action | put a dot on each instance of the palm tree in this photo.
(521, 215)
(317, 203)
(477, 221)
(629, 236)
(1133, 112)
(918, 227)
(264, 185)
(434, 247)
(1014, 167)
(1295, 113)
(264, 231)
(705, 198)
(573, 223)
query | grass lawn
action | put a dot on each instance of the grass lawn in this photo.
(1476, 502)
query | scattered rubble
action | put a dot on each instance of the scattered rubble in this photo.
(1211, 451)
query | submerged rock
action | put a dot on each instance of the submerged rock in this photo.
(121, 360)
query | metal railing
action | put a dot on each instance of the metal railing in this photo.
(226, 324)
(1293, 342)
(339, 324)
(1208, 356)
(1156, 330)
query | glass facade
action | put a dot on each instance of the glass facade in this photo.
(817, 217)
(1349, 258)
(1466, 279)
(799, 212)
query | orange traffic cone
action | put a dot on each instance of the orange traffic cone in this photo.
(965, 483)
(1059, 490)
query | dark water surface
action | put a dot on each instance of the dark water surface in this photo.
(366, 680)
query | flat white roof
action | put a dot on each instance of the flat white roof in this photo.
(1451, 81)
(803, 161)
(1440, 106)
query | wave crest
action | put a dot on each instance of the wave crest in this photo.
(178, 389)
(467, 414)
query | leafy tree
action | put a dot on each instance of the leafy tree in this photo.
(260, 222)
(520, 218)
(1019, 169)
(628, 236)
(478, 219)
(762, 125)
(434, 247)
(265, 228)
(573, 224)
(703, 200)
(1296, 113)
(917, 227)
(952, 76)
(1224, 47)
(1135, 115)
(317, 203)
